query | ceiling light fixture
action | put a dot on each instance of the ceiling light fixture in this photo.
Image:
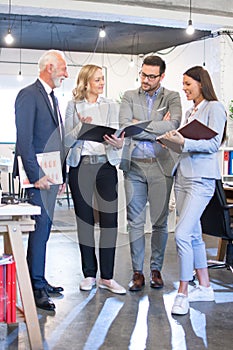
(20, 76)
(131, 63)
(102, 32)
(190, 29)
(9, 38)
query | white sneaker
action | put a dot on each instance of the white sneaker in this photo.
(87, 283)
(112, 286)
(201, 293)
(181, 305)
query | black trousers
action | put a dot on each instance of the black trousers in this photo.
(99, 181)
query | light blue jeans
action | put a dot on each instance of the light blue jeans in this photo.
(146, 183)
(192, 196)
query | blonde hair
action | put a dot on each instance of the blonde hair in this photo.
(84, 76)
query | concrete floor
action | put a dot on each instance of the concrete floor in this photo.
(135, 321)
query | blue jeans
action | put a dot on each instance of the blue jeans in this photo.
(146, 183)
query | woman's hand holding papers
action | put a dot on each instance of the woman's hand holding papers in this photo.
(174, 136)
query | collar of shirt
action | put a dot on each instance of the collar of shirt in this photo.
(199, 105)
(97, 101)
(193, 111)
(153, 97)
(48, 91)
(150, 101)
(46, 86)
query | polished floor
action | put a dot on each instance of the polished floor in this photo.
(135, 321)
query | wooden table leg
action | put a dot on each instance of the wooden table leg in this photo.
(24, 283)
(222, 246)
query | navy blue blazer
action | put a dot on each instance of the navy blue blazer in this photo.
(37, 130)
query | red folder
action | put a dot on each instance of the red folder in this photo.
(226, 162)
(2, 294)
(8, 293)
(13, 292)
(194, 130)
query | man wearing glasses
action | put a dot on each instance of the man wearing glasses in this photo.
(147, 167)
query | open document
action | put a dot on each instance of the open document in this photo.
(50, 162)
(194, 130)
(93, 132)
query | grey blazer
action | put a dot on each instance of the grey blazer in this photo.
(134, 105)
(73, 125)
(200, 158)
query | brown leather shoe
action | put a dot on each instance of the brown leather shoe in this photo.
(137, 282)
(156, 280)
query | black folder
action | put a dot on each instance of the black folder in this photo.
(93, 132)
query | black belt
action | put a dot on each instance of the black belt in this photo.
(94, 159)
(143, 160)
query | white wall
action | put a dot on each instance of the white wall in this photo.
(216, 53)
(119, 77)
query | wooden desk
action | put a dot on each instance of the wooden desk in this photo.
(14, 219)
(7, 167)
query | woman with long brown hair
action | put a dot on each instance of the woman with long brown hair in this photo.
(195, 175)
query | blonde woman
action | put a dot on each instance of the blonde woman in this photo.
(93, 177)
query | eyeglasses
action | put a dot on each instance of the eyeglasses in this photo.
(150, 77)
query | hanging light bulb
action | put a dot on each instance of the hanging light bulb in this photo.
(102, 33)
(137, 83)
(131, 63)
(9, 38)
(190, 29)
(20, 76)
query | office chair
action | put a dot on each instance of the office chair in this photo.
(217, 221)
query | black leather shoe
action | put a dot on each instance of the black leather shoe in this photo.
(52, 289)
(43, 300)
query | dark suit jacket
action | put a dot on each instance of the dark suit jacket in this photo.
(37, 130)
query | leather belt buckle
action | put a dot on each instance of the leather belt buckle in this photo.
(144, 160)
(94, 159)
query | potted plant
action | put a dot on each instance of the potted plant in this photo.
(231, 109)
